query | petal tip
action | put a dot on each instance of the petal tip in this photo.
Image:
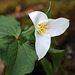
(39, 58)
(68, 20)
(29, 14)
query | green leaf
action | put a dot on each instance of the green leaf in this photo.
(19, 59)
(28, 35)
(26, 27)
(54, 41)
(47, 66)
(9, 49)
(57, 56)
(25, 60)
(49, 11)
(9, 26)
(52, 50)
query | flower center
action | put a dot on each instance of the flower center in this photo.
(42, 27)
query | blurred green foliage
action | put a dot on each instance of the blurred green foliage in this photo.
(5, 5)
(25, 21)
(58, 6)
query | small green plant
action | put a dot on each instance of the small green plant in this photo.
(18, 49)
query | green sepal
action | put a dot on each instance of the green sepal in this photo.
(47, 66)
(57, 57)
(49, 11)
(28, 35)
(54, 40)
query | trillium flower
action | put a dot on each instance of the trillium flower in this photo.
(45, 29)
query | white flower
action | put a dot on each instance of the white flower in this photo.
(45, 29)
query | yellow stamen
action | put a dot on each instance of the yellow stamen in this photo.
(42, 27)
(46, 31)
(41, 31)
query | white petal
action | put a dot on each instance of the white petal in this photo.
(57, 26)
(37, 17)
(42, 44)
